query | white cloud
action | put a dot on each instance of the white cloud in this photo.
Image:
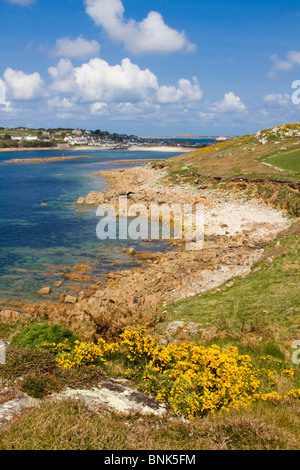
(278, 99)
(7, 108)
(75, 48)
(98, 108)
(143, 110)
(63, 69)
(186, 91)
(292, 60)
(22, 86)
(114, 83)
(294, 57)
(97, 81)
(149, 36)
(64, 103)
(23, 3)
(229, 104)
(206, 116)
(121, 92)
(63, 77)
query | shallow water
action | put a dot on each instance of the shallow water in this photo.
(40, 242)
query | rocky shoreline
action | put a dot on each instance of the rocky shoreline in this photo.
(236, 232)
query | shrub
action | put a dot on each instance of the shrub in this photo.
(196, 380)
(41, 375)
(35, 335)
(193, 380)
(82, 354)
(22, 361)
(39, 385)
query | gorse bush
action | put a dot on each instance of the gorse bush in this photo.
(35, 335)
(81, 353)
(193, 380)
(196, 380)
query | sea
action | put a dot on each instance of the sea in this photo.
(41, 234)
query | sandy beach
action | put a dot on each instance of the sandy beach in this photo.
(161, 149)
(143, 148)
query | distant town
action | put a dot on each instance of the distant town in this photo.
(23, 138)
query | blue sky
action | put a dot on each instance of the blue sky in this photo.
(149, 67)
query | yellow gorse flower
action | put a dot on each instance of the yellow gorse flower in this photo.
(197, 379)
(82, 353)
(193, 380)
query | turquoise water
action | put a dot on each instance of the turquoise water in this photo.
(38, 243)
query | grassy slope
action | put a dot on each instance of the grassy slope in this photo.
(263, 305)
(244, 156)
(18, 132)
(264, 165)
(287, 160)
(263, 427)
(270, 294)
(258, 313)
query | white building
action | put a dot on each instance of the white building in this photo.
(76, 140)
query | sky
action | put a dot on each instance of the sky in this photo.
(150, 67)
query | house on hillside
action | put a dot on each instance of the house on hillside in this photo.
(46, 135)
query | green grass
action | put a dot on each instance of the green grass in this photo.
(18, 132)
(244, 156)
(36, 334)
(268, 426)
(287, 161)
(264, 304)
(7, 330)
